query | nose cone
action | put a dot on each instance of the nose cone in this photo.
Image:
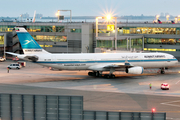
(176, 61)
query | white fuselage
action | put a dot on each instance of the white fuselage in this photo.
(90, 61)
(84, 61)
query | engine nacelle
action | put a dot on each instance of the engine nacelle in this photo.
(135, 70)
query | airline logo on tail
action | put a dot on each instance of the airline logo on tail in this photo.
(159, 22)
(172, 22)
(28, 44)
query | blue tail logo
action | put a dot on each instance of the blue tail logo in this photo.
(27, 41)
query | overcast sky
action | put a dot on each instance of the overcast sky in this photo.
(14, 8)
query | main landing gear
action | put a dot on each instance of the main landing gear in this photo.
(96, 74)
(109, 76)
(99, 74)
(162, 71)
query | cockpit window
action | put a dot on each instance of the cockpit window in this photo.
(174, 58)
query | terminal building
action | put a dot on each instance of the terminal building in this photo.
(64, 37)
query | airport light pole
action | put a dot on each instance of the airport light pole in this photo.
(21, 17)
(115, 38)
(108, 18)
(4, 45)
(167, 17)
(178, 18)
(65, 11)
(157, 17)
(58, 14)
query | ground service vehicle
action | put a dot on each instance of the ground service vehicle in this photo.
(2, 59)
(14, 66)
(165, 86)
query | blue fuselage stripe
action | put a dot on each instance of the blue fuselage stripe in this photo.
(105, 61)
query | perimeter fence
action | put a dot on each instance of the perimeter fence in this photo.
(54, 107)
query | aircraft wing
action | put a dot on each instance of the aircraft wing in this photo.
(101, 67)
(119, 65)
(25, 57)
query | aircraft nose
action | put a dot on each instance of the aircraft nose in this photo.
(177, 62)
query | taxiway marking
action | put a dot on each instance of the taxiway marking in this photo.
(177, 82)
(170, 103)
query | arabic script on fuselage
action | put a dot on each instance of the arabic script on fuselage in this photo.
(129, 56)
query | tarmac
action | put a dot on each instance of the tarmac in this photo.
(125, 93)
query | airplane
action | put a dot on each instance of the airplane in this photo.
(172, 22)
(159, 21)
(34, 17)
(96, 63)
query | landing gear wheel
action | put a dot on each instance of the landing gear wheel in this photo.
(100, 75)
(107, 76)
(90, 73)
(112, 76)
(97, 74)
(162, 71)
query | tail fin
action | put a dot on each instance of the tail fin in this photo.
(34, 17)
(172, 22)
(159, 21)
(28, 44)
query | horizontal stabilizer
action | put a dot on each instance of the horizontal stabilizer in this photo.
(25, 57)
(14, 54)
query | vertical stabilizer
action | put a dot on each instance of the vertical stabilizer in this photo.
(28, 44)
(34, 17)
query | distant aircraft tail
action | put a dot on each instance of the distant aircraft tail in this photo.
(28, 44)
(172, 22)
(159, 22)
(34, 17)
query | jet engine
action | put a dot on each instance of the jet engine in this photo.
(135, 70)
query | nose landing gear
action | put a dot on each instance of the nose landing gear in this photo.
(162, 71)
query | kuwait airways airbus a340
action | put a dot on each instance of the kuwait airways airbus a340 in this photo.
(133, 63)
